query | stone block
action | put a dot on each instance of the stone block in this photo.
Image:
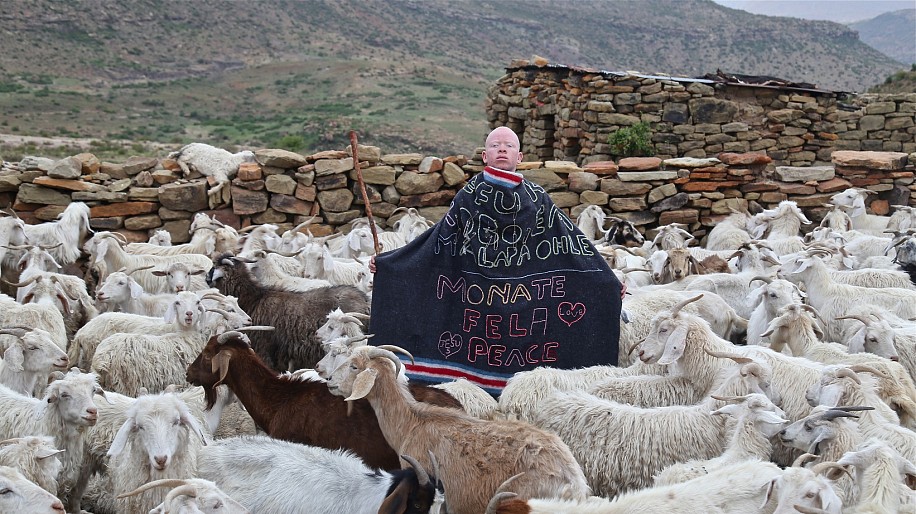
(306, 193)
(403, 159)
(246, 202)
(712, 110)
(292, 205)
(123, 209)
(98, 196)
(580, 181)
(565, 199)
(686, 216)
(68, 185)
(250, 171)
(268, 216)
(190, 196)
(113, 223)
(891, 161)
(639, 164)
(662, 192)
(31, 193)
(673, 202)
(689, 162)
(632, 203)
(67, 168)
(804, 173)
(430, 164)
(452, 174)
(646, 176)
(333, 166)
(279, 158)
(593, 197)
(438, 198)
(281, 184)
(144, 222)
(413, 183)
(338, 200)
(328, 182)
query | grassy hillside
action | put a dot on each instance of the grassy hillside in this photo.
(409, 75)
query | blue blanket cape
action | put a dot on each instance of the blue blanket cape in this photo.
(505, 282)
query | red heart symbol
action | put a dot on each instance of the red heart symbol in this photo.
(449, 344)
(570, 313)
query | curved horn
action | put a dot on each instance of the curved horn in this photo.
(139, 268)
(23, 283)
(803, 459)
(165, 482)
(422, 476)
(358, 315)
(823, 467)
(729, 398)
(809, 510)
(224, 337)
(865, 320)
(768, 280)
(859, 368)
(17, 332)
(677, 308)
(182, 490)
(832, 414)
(213, 296)
(740, 359)
(12, 441)
(224, 313)
(497, 498)
(812, 310)
(396, 349)
(848, 373)
(256, 328)
(375, 351)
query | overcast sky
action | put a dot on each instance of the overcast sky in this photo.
(842, 11)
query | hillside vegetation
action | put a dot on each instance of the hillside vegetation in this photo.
(409, 75)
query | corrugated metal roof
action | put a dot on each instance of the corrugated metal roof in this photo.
(720, 80)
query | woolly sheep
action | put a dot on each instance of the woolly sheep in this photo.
(500, 448)
(35, 457)
(730, 233)
(210, 161)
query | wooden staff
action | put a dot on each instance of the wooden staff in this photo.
(362, 188)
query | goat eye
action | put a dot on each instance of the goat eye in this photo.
(6, 490)
(65, 395)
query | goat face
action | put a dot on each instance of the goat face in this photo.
(158, 425)
(72, 397)
(665, 342)
(21, 495)
(624, 233)
(39, 353)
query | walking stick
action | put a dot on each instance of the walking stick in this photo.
(362, 188)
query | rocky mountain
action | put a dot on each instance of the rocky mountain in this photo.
(893, 33)
(411, 74)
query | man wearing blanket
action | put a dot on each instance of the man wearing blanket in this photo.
(505, 282)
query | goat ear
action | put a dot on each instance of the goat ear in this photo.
(771, 486)
(362, 384)
(822, 435)
(136, 290)
(210, 246)
(64, 303)
(220, 363)
(191, 422)
(858, 207)
(13, 357)
(100, 250)
(120, 440)
(674, 346)
(756, 296)
(354, 243)
(396, 502)
(171, 313)
(856, 343)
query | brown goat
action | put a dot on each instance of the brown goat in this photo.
(713, 264)
(295, 410)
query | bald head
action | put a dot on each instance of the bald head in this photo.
(502, 149)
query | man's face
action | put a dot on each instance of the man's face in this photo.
(502, 150)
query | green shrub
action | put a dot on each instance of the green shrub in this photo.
(632, 141)
(291, 142)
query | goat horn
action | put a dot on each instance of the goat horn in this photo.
(858, 368)
(249, 228)
(392, 348)
(832, 414)
(17, 332)
(862, 319)
(12, 441)
(17, 247)
(165, 482)
(375, 351)
(358, 315)
(23, 283)
(497, 498)
(435, 464)
(812, 310)
(677, 308)
(224, 337)
(355, 339)
(822, 467)
(256, 328)
(809, 510)
(46, 248)
(182, 490)
(729, 398)
(422, 476)
(803, 459)
(9, 210)
(141, 268)
(740, 359)
(635, 346)
(848, 373)
(768, 280)
(222, 312)
(213, 296)
(287, 254)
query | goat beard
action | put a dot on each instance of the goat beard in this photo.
(210, 396)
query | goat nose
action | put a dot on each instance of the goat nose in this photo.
(92, 411)
(58, 507)
(160, 461)
(895, 358)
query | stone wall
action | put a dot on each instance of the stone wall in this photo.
(565, 113)
(145, 194)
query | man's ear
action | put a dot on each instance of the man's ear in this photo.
(520, 156)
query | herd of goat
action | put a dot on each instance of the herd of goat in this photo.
(769, 371)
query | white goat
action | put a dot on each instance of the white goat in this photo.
(35, 457)
(211, 161)
(28, 362)
(68, 233)
(24, 497)
(191, 496)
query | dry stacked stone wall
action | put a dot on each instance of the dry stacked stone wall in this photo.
(144, 194)
(564, 113)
